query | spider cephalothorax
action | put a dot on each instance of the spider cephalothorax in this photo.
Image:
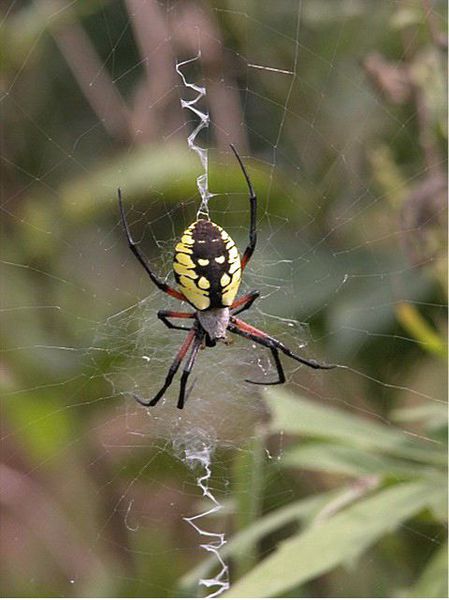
(208, 270)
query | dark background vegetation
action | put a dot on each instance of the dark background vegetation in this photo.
(348, 158)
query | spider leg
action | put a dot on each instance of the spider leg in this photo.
(260, 337)
(278, 365)
(274, 352)
(164, 314)
(171, 372)
(280, 370)
(253, 214)
(187, 370)
(244, 302)
(140, 257)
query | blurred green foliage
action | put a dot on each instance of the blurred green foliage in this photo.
(339, 491)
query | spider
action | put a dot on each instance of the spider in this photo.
(208, 270)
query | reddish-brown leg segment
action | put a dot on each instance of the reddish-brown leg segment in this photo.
(244, 302)
(240, 327)
(164, 315)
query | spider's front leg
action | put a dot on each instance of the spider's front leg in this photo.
(253, 213)
(140, 257)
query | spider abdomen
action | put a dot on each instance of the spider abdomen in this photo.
(207, 266)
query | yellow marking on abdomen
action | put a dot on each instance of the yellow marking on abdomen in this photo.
(203, 262)
(203, 283)
(180, 247)
(199, 299)
(233, 254)
(225, 280)
(184, 259)
(187, 239)
(230, 292)
(183, 270)
(187, 283)
(235, 266)
(220, 259)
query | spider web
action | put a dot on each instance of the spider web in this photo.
(336, 259)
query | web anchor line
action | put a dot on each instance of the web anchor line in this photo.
(218, 540)
(202, 180)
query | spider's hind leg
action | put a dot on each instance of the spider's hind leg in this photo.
(260, 337)
(171, 372)
(279, 368)
(187, 370)
(274, 351)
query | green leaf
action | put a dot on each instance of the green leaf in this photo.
(337, 541)
(414, 323)
(433, 581)
(432, 414)
(137, 173)
(345, 460)
(146, 172)
(296, 415)
(248, 480)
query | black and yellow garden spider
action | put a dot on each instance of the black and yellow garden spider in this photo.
(208, 271)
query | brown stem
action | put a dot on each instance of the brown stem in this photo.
(154, 106)
(91, 75)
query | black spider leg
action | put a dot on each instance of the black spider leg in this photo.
(172, 370)
(164, 314)
(274, 352)
(244, 302)
(140, 257)
(245, 330)
(189, 390)
(187, 370)
(253, 213)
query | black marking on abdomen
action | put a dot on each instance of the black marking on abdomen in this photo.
(207, 266)
(209, 245)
